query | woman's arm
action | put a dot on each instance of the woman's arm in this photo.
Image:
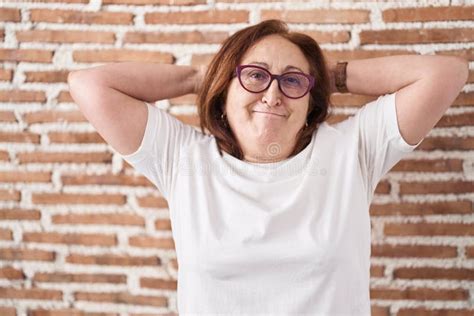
(144, 81)
(111, 97)
(425, 87)
(382, 75)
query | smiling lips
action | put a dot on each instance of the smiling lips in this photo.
(275, 114)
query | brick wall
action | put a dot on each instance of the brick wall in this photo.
(81, 233)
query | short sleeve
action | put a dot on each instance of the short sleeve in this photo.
(164, 140)
(381, 144)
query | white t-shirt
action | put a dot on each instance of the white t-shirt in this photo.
(284, 238)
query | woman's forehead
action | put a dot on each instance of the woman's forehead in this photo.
(265, 65)
(286, 58)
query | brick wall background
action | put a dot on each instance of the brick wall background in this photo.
(81, 233)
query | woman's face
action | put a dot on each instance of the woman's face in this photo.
(268, 117)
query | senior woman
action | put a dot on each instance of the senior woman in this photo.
(268, 202)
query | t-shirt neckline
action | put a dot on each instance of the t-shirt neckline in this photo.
(266, 172)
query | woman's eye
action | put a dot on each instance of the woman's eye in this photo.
(292, 80)
(256, 75)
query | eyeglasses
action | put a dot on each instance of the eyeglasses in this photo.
(255, 79)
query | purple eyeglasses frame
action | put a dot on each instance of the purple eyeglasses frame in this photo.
(239, 68)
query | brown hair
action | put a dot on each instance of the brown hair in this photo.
(212, 95)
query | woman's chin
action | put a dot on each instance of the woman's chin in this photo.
(269, 137)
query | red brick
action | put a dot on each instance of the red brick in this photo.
(427, 208)
(117, 260)
(471, 78)
(464, 119)
(46, 76)
(30, 294)
(21, 137)
(122, 298)
(157, 283)
(72, 137)
(418, 294)
(470, 252)
(11, 273)
(463, 53)
(6, 74)
(26, 254)
(191, 37)
(64, 157)
(434, 273)
(173, 263)
(329, 37)
(9, 194)
(320, 16)
(81, 17)
(155, 2)
(61, 1)
(416, 36)
(152, 202)
(51, 116)
(22, 96)
(446, 143)
(10, 15)
(377, 271)
(436, 187)
(66, 311)
(99, 219)
(163, 224)
(65, 96)
(420, 311)
(414, 251)
(72, 198)
(4, 155)
(7, 311)
(79, 278)
(253, 1)
(6, 234)
(105, 179)
(27, 55)
(438, 13)
(464, 99)
(428, 229)
(71, 239)
(198, 17)
(25, 176)
(7, 117)
(379, 311)
(69, 36)
(151, 242)
(429, 165)
(383, 187)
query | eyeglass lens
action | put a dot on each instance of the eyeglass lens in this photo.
(256, 80)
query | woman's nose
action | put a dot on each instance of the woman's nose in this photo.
(273, 94)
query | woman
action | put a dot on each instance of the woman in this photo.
(269, 206)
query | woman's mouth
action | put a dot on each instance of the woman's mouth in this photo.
(269, 113)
